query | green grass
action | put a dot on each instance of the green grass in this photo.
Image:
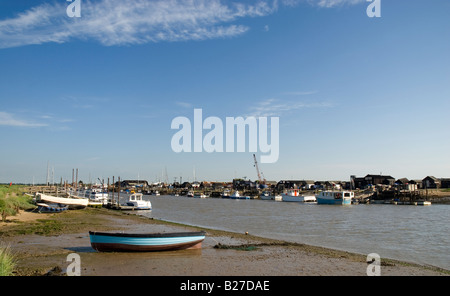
(7, 262)
(243, 247)
(42, 227)
(13, 199)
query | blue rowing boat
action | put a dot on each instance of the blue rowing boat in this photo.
(135, 242)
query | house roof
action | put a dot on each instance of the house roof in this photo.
(402, 180)
(432, 178)
(415, 181)
(380, 176)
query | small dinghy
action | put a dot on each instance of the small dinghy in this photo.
(134, 242)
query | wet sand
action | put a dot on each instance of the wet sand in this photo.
(242, 255)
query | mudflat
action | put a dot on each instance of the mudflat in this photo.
(41, 244)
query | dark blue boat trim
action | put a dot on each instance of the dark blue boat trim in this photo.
(163, 234)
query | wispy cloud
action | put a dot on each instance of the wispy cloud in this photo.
(300, 93)
(124, 22)
(94, 158)
(332, 3)
(184, 104)
(277, 107)
(86, 103)
(128, 22)
(8, 119)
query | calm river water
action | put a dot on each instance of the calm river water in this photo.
(417, 234)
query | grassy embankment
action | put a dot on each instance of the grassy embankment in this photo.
(12, 200)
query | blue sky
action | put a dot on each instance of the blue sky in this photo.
(355, 95)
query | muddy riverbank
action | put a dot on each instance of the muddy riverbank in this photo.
(41, 245)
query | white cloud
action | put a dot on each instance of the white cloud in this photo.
(8, 119)
(300, 93)
(333, 3)
(124, 22)
(276, 107)
(128, 22)
(184, 104)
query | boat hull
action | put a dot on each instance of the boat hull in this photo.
(335, 198)
(51, 208)
(236, 195)
(240, 197)
(271, 197)
(139, 207)
(328, 201)
(73, 203)
(122, 242)
(301, 198)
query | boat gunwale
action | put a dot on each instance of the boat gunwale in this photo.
(149, 235)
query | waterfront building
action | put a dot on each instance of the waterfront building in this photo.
(431, 182)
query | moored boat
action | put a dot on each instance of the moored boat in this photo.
(97, 195)
(51, 208)
(293, 195)
(199, 195)
(73, 203)
(236, 195)
(335, 197)
(268, 196)
(134, 242)
(423, 203)
(136, 202)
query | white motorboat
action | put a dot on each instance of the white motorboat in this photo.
(268, 196)
(199, 195)
(293, 195)
(97, 195)
(423, 203)
(136, 201)
(236, 195)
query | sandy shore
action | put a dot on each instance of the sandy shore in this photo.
(37, 254)
(22, 216)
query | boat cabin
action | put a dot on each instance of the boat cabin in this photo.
(337, 194)
(136, 197)
(293, 192)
